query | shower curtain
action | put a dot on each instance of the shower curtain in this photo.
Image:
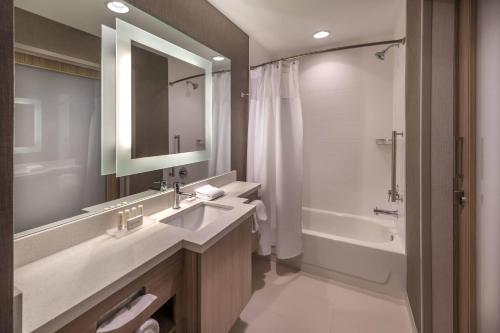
(220, 162)
(275, 142)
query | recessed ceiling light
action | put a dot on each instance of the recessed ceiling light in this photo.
(117, 7)
(218, 58)
(321, 34)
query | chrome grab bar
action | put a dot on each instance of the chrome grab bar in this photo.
(386, 212)
(394, 191)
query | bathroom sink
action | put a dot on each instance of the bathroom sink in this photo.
(197, 217)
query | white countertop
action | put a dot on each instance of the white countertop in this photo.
(60, 287)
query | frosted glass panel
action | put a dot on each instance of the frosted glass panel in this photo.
(61, 175)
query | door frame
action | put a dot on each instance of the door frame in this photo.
(6, 165)
(465, 168)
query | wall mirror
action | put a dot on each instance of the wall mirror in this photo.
(92, 143)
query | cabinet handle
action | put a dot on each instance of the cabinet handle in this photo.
(127, 314)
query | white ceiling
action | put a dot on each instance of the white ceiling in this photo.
(285, 27)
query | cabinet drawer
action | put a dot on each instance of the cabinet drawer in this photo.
(163, 281)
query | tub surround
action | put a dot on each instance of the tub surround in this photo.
(361, 251)
(81, 276)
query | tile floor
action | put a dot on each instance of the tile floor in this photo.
(289, 301)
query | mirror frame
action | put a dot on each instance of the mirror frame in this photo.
(124, 164)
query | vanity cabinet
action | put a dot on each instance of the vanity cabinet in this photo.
(164, 281)
(220, 282)
(196, 292)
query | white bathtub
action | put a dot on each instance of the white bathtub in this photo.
(363, 251)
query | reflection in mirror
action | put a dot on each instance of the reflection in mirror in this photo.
(167, 117)
(57, 125)
(66, 165)
(28, 121)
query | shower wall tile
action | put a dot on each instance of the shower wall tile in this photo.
(347, 100)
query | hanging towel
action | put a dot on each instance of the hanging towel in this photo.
(260, 210)
(261, 223)
(208, 192)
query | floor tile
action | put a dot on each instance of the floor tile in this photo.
(287, 300)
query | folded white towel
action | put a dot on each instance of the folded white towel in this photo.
(127, 314)
(208, 192)
(149, 326)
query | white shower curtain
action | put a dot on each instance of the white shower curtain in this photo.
(220, 162)
(275, 142)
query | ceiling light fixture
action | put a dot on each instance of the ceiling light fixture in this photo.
(117, 7)
(321, 34)
(218, 58)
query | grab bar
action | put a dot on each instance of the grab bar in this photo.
(386, 212)
(394, 191)
(177, 150)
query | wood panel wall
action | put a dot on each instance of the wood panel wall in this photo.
(413, 114)
(6, 160)
(204, 23)
(442, 165)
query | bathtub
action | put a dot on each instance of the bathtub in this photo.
(362, 251)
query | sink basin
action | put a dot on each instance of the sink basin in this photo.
(197, 217)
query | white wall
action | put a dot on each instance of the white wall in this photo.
(488, 171)
(347, 100)
(398, 115)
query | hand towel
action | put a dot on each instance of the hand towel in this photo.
(208, 192)
(149, 326)
(127, 314)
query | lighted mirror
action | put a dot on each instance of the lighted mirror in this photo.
(145, 112)
(86, 148)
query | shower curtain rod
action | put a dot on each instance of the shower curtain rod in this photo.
(333, 49)
(197, 75)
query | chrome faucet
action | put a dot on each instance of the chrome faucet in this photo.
(177, 195)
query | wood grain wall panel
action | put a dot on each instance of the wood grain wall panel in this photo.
(413, 110)
(426, 90)
(204, 23)
(190, 318)
(442, 165)
(55, 66)
(6, 166)
(37, 31)
(226, 280)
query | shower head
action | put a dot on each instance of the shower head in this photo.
(381, 54)
(193, 84)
